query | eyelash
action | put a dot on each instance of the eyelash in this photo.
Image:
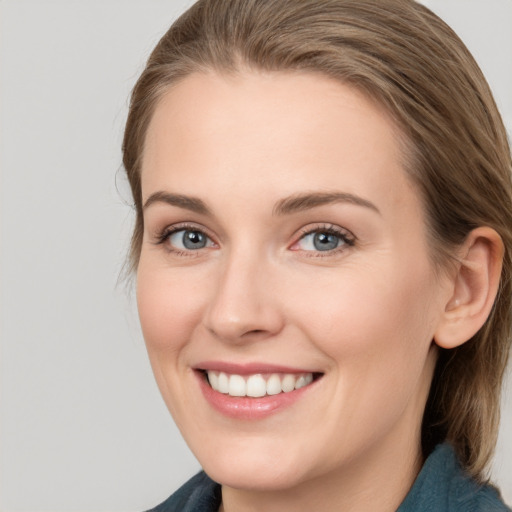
(347, 239)
(165, 235)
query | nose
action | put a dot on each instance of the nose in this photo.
(245, 303)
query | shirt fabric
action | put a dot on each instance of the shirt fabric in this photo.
(441, 486)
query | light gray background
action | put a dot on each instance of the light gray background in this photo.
(82, 426)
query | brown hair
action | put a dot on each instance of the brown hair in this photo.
(403, 56)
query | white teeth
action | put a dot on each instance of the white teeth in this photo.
(237, 386)
(304, 380)
(214, 379)
(256, 385)
(223, 383)
(301, 382)
(288, 383)
(274, 385)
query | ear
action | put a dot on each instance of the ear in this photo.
(474, 288)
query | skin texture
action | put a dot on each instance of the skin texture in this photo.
(364, 314)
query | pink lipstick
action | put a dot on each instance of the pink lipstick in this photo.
(252, 391)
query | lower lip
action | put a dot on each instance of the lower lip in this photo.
(247, 408)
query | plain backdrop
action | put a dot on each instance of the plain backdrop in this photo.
(82, 426)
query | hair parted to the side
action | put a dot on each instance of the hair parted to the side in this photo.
(456, 150)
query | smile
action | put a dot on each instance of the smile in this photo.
(257, 385)
(253, 391)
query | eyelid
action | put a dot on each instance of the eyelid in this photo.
(344, 234)
(347, 237)
(162, 236)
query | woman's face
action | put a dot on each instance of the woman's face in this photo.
(284, 247)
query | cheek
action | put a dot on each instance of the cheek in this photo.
(169, 307)
(374, 311)
(169, 311)
(376, 330)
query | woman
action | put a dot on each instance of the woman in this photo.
(323, 255)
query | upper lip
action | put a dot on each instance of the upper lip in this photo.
(249, 368)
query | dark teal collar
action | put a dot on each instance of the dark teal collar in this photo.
(441, 486)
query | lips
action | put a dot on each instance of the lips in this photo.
(254, 391)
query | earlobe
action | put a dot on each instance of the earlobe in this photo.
(474, 288)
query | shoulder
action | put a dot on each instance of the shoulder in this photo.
(199, 494)
(443, 485)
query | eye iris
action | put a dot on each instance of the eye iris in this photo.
(325, 241)
(194, 240)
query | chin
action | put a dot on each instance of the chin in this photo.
(251, 479)
(256, 471)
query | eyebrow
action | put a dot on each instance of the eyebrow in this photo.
(301, 202)
(181, 201)
(286, 206)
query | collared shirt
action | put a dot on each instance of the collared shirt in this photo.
(441, 486)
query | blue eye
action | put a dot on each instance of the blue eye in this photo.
(323, 241)
(189, 240)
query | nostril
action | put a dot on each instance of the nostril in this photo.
(255, 334)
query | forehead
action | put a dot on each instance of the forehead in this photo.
(276, 133)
